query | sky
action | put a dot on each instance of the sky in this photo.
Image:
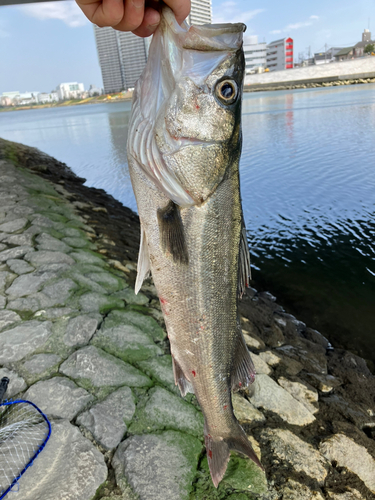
(45, 44)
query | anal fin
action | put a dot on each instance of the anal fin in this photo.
(243, 372)
(180, 379)
(172, 237)
(143, 267)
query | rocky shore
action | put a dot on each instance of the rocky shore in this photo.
(77, 341)
(307, 85)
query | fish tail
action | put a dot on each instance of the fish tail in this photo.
(218, 452)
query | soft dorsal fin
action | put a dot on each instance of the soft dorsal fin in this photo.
(244, 270)
(172, 236)
(243, 371)
(143, 268)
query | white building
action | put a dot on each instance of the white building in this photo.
(44, 97)
(25, 98)
(123, 55)
(71, 90)
(280, 54)
(255, 53)
(94, 90)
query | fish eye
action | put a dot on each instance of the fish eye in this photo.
(227, 91)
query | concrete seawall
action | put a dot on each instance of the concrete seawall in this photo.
(363, 68)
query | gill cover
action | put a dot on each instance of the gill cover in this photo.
(176, 53)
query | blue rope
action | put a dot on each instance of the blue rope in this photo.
(15, 481)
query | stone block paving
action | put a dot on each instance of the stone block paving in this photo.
(77, 341)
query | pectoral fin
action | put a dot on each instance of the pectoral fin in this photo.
(172, 237)
(244, 270)
(143, 268)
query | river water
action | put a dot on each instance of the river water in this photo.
(308, 189)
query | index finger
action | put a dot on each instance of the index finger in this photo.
(181, 9)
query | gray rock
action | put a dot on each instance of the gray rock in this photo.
(2, 301)
(8, 318)
(107, 420)
(325, 383)
(59, 397)
(244, 411)
(43, 257)
(16, 383)
(293, 490)
(19, 266)
(95, 368)
(13, 226)
(22, 340)
(23, 239)
(87, 258)
(80, 330)
(6, 279)
(28, 284)
(41, 363)
(312, 361)
(163, 410)
(260, 365)
(25, 304)
(302, 392)
(300, 455)
(107, 280)
(145, 323)
(270, 358)
(168, 460)
(130, 297)
(75, 242)
(54, 313)
(270, 396)
(160, 368)
(354, 457)
(351, 494)
(69, 468)
(95, 302)
(2, 247)
(127, 342)
(47, 242)
(252, 342)
(59, 292)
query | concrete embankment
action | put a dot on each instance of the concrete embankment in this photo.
(77, 341)
(324, 75)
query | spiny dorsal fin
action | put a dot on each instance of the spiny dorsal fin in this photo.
(180, 379)
(244, 270)
(172, 237)
(143, 268)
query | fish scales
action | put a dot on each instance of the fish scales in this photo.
(184, 147)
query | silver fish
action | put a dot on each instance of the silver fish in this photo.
(184, 147)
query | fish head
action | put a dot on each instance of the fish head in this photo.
(188, 107)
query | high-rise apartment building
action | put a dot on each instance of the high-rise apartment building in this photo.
(123, 55)
(280, 54)
(255, 53)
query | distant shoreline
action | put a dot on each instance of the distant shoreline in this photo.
(108, 98)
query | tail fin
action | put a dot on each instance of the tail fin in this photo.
(218, 452)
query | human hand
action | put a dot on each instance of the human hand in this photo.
(138, 16)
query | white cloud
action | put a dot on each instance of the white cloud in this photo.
(230, 12)
(296, 26)
(67, 11)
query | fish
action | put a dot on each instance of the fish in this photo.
(184, 146)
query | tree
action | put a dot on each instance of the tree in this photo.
(369, 48)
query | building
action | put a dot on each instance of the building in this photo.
(280, 54)
(344, 54)
(109, 59)
(359, 48)
(326, 57)
(94, 90)
(71, 90)
(44, 97)
(123, 55)
(255, 54)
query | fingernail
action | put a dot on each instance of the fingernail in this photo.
(138, 3)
